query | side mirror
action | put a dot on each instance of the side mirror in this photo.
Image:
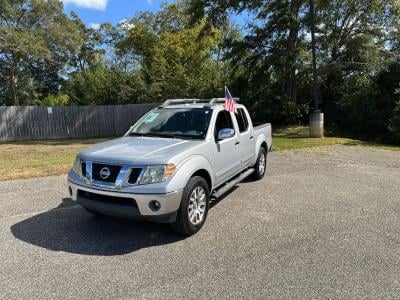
(226, 133)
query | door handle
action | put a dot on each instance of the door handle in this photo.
(252, 137)
(237, 143)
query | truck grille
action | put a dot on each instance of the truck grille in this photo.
(133, 178)
(113, 170)
(105, 173)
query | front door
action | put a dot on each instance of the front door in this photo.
(226, 152)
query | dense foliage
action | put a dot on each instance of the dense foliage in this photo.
(192, 48)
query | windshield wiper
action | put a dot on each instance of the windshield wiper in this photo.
(176, 136)
(153, 134)
(165, 135)
(137, 134)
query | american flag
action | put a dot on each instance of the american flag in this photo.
(230, 104)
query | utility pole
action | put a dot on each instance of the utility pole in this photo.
(314, 56)
(316, 117)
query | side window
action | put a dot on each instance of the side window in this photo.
(223, 121)
(242, 120)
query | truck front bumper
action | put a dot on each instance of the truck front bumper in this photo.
(154, 207)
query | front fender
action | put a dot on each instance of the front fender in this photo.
(186, 170)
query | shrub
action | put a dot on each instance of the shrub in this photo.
(55, 100)
(394, 126)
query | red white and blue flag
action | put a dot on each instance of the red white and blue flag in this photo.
(230, 104)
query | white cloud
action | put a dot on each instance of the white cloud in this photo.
(94, 4)
(95, 26)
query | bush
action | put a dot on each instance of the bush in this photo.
(372, 107)
(54, 100)
(394, 126)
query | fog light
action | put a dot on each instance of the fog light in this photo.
(154, 205)
(70, 191)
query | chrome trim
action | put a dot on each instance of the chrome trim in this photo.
(139, 177)
(89, 175)
(122, 177)
(104, 173)
(101, 184)
(226, 133)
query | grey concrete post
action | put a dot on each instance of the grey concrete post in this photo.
(317, 124)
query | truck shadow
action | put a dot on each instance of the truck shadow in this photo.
(70, 228)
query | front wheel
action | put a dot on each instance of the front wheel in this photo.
(261, 164)
(193, 210)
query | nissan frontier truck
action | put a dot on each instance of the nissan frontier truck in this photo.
(171, 163)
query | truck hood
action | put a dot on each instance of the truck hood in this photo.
(137, 150)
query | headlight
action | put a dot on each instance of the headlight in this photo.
(158, 173)
(77, 166)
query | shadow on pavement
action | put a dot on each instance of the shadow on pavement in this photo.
(69, 228)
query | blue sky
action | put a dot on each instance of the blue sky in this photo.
(94, 12)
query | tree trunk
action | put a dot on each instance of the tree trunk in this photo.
(12, 98)
(291, 48)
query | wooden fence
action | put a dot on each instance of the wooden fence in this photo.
(19, 123)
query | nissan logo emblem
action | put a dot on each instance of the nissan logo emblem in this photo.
(105, 173)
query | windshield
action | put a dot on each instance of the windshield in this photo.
(191, 123)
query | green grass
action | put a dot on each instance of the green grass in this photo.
(297, 138)
(43, 158)
(39, 158)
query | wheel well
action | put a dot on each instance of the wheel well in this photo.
(265, 146)
(204, 173)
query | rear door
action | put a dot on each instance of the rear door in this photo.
(226, 153)
(246, 138)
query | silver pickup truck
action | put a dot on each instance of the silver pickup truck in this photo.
(172, 163)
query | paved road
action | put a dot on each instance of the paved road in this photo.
(324, 223)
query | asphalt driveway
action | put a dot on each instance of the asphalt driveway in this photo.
(324, 223)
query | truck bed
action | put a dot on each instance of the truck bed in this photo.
(261, 125)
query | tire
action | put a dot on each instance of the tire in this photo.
(189, 219)
(261, 160)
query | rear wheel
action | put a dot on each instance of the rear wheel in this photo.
(194, 206)
(261, 164)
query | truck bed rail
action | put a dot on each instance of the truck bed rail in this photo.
(259, 126)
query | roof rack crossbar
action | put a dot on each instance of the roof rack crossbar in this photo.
(177, 101)
(194, 101)
(221, 100)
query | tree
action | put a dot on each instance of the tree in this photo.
(103, 85)
(36, 43)
(353, 38)
(89, 46)
(270, 54)
(55, 100)
(394, 126)
(174, 58)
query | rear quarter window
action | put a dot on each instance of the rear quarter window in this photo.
(241, 118)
